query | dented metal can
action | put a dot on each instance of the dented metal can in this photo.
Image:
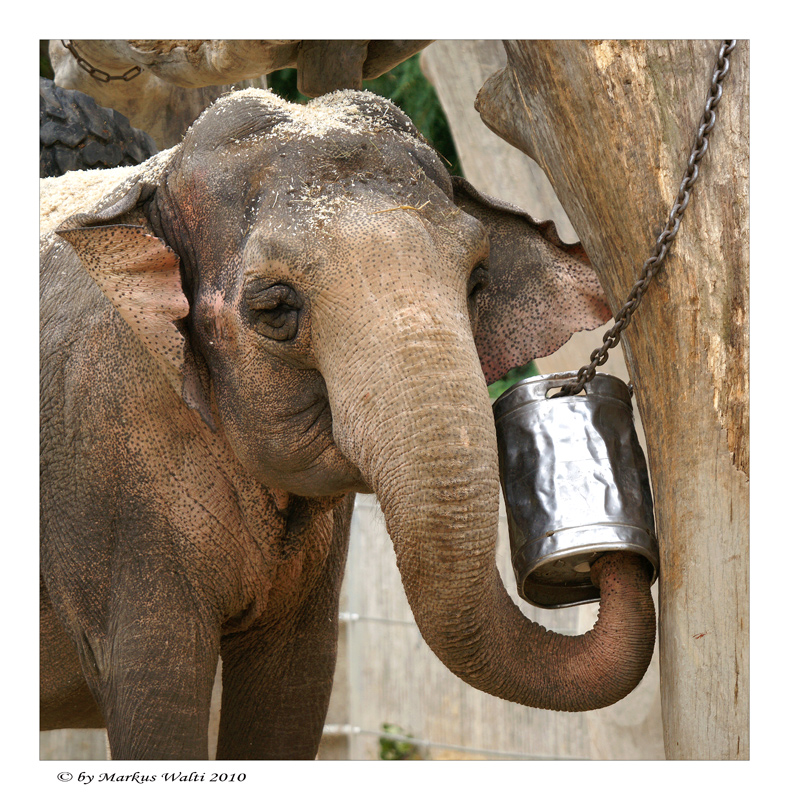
(575, 485)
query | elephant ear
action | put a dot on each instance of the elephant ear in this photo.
(541, 290)
(140, 275)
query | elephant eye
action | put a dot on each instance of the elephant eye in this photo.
(478, 281)
(274, 310)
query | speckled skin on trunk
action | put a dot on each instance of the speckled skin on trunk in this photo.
(292, 305)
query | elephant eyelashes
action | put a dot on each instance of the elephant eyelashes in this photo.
(275, 310)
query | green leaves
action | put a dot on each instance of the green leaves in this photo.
(397, 749)
(498, 388)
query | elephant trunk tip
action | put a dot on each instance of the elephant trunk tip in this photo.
(617, 567)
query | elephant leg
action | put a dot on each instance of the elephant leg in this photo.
(275, 693)
(155, 670)
(66, 700)
(277, 679)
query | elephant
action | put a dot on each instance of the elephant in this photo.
(293, 305)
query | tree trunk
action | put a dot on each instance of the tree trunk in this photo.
(612, 124)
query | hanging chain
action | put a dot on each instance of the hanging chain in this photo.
(653, 264)
(99, 74)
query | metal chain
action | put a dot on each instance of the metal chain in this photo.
(653, 264)
(99, 74)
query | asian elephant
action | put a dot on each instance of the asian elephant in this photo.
(294, 304)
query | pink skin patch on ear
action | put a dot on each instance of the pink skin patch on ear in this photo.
(139, 274)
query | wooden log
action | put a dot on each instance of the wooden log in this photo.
(154, 105)
(612, 124)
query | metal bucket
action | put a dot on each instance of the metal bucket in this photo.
(575, 485)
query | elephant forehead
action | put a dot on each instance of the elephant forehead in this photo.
(332, 114)
(321, 193)
(254, 130)
(258, 116)
(355, 219)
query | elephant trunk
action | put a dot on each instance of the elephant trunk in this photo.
(413, 414)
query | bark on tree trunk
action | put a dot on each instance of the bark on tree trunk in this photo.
(612, 124)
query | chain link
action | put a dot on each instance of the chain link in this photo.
(653, 264)
(99, 74)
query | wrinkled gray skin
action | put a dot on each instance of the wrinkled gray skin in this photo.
(275, 314)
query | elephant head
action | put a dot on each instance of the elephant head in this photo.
(331, 303)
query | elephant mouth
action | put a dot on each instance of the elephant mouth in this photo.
(325, 470)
